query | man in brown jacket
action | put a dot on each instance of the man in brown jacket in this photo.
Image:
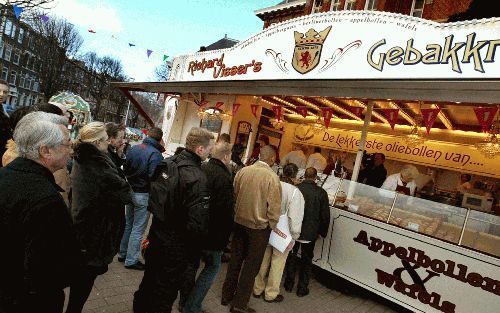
(257, 210)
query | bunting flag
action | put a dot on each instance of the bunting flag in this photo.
(485, 117)
(302, 110)
(148, 52)
(327, 115)
(113, 37)
(277, 111)
(165, 57)
(92, 31)
(44, 18)
(17, 11)
(392, 116)
(218, 105)
(236, 106)
(255, 107)
(131, 44)
(358, 111)
(429, 117)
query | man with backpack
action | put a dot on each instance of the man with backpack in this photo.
(179, 201)
(139, 168)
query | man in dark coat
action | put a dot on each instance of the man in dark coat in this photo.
(139, 168)
(316, 222)
(5, 130)
(375, 174)
(177, 241)
(41, 251)
(220, 186)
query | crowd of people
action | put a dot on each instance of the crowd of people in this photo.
(67, 208)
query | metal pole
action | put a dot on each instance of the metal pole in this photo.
(392, 208)
(362, 141)
(463, 228)
(361, 148)
(126, 114)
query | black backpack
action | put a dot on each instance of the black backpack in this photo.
(164, 192)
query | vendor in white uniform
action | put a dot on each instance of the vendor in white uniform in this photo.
(402, 182)
(297, 157)
(317, 160)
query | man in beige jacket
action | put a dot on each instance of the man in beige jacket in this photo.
(257, 210)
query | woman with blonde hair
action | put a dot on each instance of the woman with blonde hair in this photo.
(99, 196)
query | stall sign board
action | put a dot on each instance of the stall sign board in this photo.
(353, 45)
(419, 272)
(452, 156)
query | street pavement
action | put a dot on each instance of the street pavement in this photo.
(113, 293)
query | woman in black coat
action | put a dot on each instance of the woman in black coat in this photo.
(99, 196)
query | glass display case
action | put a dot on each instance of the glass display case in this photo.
(473, 229)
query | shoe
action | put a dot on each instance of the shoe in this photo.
(225, 302)
(256, 295)
(302, 292)
(137, 266)
(238, 310)
(279, 298)
(120, 259)
(288, 287)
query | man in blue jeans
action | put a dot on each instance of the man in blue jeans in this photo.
(139, 168)
(220, 186)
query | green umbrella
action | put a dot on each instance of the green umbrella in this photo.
(71, 101)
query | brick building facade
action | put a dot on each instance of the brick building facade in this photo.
(436, 10)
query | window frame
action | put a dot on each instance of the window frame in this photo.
(336, 5)
(6, 71)
(20, 37)
(421, 10)
(348, 2)
(17, 54)
(13, 75)
(8, 48)
(374, 5)
(315, 8)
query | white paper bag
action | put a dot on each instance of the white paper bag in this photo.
(280, 237)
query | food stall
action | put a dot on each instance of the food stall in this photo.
(79, 108)
(350, 70)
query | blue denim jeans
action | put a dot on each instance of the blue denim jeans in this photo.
(204, 281)
(136, 220)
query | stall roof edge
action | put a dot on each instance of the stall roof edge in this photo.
(472, 91)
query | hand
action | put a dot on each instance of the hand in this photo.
(290, 245)
(120, 149)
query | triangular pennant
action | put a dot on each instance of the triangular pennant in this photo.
(485, 117)
(131, 44)
(358, 111)
(302, 110)
(236, 106)
(91, 31)
(429, 117)
(17, 11)
(392, 116)
(254, 108)
(218, 105)
(148, 52)
(327, 115)
(165, 57)
(113, 37)
(277, 111)
(44, 18)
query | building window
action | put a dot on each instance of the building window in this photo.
(417, 8)
(317, 5)
(17, 56)
(20, 38)
(8, 27)
(22, 99)
(8, 52)
(36, 86)
(350, 5)
(5, 73)
(335, 6)
(13, 34)
(371, 5)
(12, 78)
(21, 80)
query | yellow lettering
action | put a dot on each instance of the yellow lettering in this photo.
(380, 65)
(450, 52)
(473, 51)
(490, 56)
(408, 53)
(394, 55)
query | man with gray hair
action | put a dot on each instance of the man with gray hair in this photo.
(35, 226)
(257, 210)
